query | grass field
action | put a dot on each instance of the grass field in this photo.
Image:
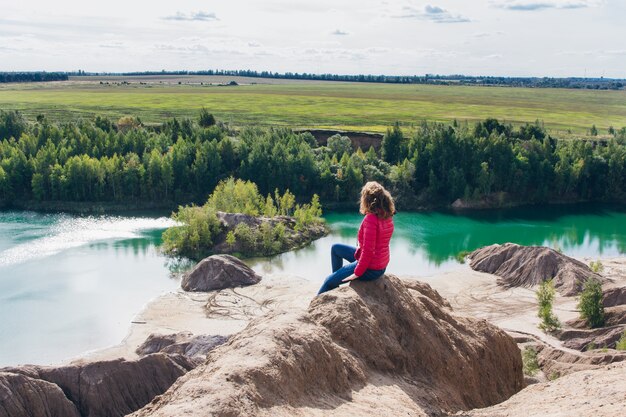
(349, 106)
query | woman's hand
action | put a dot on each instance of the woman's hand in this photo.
(350, 278)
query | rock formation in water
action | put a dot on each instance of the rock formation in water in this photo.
(292, 237)
(218, 272)
(597, 393)
(527, 266)
(356, 350)
(96, 389)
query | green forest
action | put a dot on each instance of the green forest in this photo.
(181, 162)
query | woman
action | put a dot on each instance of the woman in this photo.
(369, 260)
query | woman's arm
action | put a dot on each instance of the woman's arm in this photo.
(350, 278)
(368, 249)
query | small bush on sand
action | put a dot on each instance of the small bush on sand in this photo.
(590, 303)
(621, 343)
(529, 359)
(596, 266)
(545, 296)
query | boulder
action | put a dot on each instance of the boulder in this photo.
(183, 343)
(110, 388)
(527, 266)
(357, 350)
(218, 272)
(21, 395)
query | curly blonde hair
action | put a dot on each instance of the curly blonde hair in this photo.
(376, 200)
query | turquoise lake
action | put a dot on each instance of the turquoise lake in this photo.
(70, 284)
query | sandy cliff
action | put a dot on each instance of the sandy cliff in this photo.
(373, 347)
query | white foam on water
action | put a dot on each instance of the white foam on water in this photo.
(71, 232)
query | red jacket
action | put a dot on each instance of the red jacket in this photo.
(373, 251)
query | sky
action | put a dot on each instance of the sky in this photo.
(559, 38)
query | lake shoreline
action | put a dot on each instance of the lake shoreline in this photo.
(458, 206)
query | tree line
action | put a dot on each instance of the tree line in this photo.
(37, 76)
(455, 79)
(181, 161)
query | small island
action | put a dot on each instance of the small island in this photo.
(238, 220)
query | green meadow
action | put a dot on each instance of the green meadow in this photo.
(349, 106)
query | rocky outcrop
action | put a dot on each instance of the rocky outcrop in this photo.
(21, 395)
(614, 296)
(256, 241)
(382, 343)
(218, 272)
(182, 343)
(107, 388)
(584, 339)
(615, 316)
(527, 266)
(558, 362)
(597, 393)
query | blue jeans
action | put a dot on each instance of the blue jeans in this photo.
(338, 253)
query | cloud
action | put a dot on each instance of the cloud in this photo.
(487, 34)
(340, 32)
(530, 6)
(112, 45)
(432, 13)
(199, 16)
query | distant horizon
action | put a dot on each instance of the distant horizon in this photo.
(196, 72)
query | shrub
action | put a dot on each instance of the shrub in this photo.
(308, 214)
(245, 236)
(596, 266)
(194, 236)
(621, 343)
(590, 303)
(545, 296)
(206, 119)
(231, 239)
(126, 123)
(236, 196)
(339, 145)
(460, 257)
(264, 240)
(529, 359)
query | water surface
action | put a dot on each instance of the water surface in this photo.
(427, 243)
(69, 284)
